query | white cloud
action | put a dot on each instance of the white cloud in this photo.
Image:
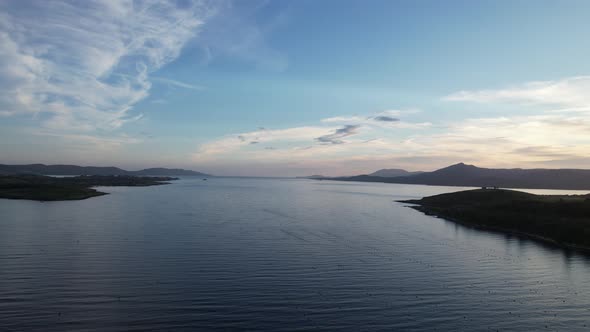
(82, 66)
(559, 131)
(515, 141)
(570, 93)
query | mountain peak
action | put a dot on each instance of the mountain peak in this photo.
(461, 165)
(458, 169)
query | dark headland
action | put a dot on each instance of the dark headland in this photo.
(46, 188)
(563, 220)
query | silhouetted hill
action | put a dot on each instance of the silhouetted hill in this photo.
(393, 172)
(472, 176)
(42, 169)
(47, 188)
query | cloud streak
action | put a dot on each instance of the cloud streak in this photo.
(178, 84)
(571, 93)
(237, 145)
(337, 136)
(386, 119)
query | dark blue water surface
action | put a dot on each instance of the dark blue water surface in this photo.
(275, 255)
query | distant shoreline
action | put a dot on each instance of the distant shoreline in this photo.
(463, 175)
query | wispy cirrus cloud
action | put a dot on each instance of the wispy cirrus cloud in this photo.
(240, 33)
(81, 66)
(177, 83)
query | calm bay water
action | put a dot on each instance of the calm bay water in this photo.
(275, 255)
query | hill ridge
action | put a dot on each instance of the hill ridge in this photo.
(465, 175)
(64, 169)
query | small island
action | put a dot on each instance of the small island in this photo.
(46, 188)
(563, 220)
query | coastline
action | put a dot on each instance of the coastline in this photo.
(484, 227)
(45, 188)
(529, 222)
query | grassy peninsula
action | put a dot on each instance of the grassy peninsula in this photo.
(560, 219)
(46, 188)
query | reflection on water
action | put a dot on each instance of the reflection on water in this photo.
(262, 254)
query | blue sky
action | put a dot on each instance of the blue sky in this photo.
(285, 88)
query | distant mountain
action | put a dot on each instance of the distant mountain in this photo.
(393, 172)
(472, 176)
(382, 173)
(60, 170)
(167, 171)
(91, 170)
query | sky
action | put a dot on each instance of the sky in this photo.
(294, 88)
